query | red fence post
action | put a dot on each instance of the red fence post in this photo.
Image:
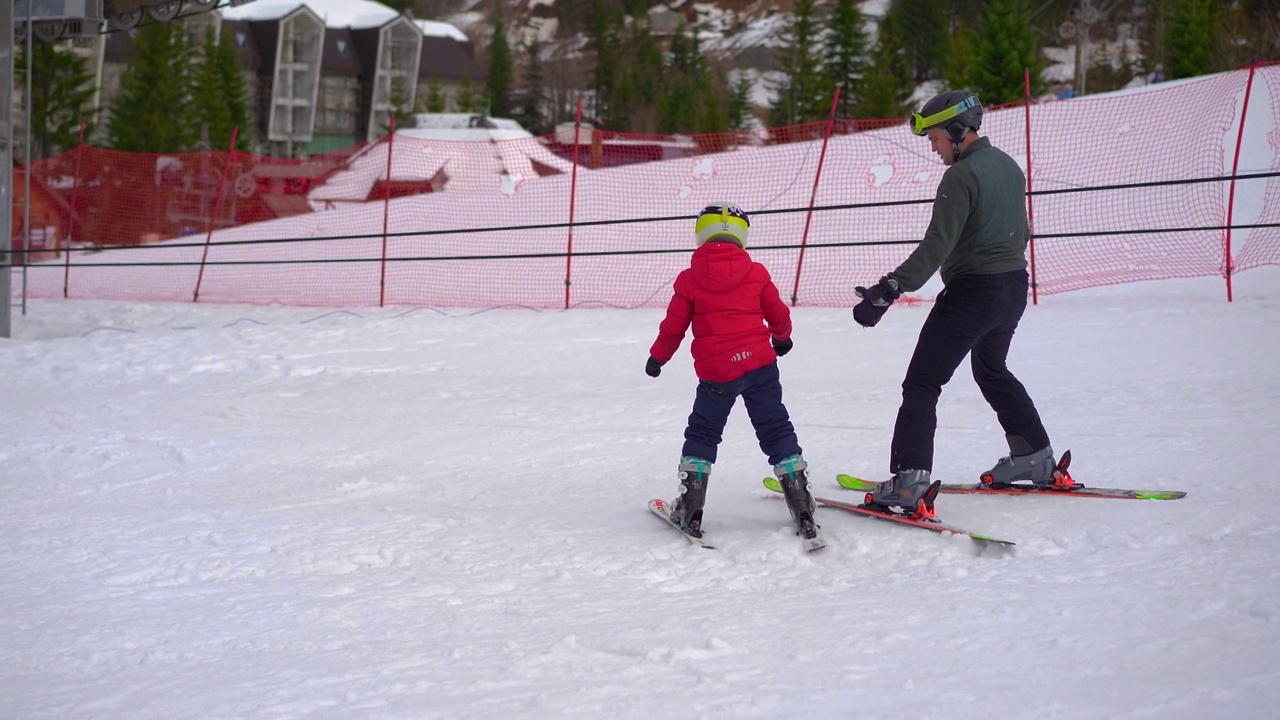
(217, 206)
(573, 194)
(71, 222)
(386, 210)
(1031, 214)
(1227, 264)
(813, 196)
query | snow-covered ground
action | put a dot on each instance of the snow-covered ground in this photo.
(229, 511)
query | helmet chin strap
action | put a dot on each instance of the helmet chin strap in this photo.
(956, 143)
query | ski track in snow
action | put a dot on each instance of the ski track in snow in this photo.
(267, 512)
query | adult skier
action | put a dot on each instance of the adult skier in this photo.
(978, 237)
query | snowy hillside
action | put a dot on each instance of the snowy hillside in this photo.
(237, 511)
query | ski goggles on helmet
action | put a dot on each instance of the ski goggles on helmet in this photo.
(920, 123)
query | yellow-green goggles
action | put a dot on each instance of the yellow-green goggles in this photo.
(919, 123)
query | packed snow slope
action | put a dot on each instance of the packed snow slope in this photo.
(234, 512)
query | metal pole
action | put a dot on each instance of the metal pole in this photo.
(6, 162)
(217, 207)
(1228, 265)
(71, 222)
(1031, 214)
(573, 194)
(26, 160)
(813, 196)
(386, 213)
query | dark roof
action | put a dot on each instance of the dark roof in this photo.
(245, 43)
(340, 55)
(121, 48)
(265, 34)
(447, 59)
(442, 58)
(366, 44)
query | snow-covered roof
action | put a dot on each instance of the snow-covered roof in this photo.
(468, 121)
(474, 158)
(435, 28)
(355, 14)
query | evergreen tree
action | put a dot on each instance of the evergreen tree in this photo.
(152, 110)
(531, 99)
(235, 92)
(469, 99)
(1005, 48)
(739, 110)
(603, 32)
(887, 82)
(922, 30)
(693, 100)
(1154, 33)
(61, 97)
(437, 101)
(220, 94)
(638, 85)
(845, 49)
(1191, 40)
(1238, 38)
(709, 91)
(500, 69)
(802, 96)
(955, 72)
(400, 111)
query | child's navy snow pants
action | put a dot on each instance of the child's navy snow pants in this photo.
(761, 391)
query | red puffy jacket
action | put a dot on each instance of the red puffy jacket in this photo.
(728, 298)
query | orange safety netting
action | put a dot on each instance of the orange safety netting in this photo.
(1126, 187)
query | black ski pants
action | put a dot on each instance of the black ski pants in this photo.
(975, 315)
(761, 391)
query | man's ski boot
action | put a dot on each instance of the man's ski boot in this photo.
(686, 511)
(793, 474)
(1022, 465)
(911, 491)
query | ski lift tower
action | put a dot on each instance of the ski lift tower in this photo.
(27, 21)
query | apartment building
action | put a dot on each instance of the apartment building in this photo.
(323, 74)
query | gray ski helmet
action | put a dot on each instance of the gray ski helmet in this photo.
(956, 111)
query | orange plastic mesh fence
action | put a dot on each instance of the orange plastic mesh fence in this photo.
(486, 224)
(1257, 202)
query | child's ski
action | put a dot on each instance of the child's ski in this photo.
(659, 508)
(868, 511)
(850, 482)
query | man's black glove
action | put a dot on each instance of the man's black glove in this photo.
(875, 301)
(653, 368)
(782, 346)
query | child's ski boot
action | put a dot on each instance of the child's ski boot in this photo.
(686, 511)
(911, 491)
(793, 475)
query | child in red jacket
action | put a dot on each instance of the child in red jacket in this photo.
(740, 327)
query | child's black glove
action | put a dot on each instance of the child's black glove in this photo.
(782, 347)
(875, 301)
(653, 368)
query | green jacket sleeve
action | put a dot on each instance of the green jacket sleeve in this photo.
(957, 193)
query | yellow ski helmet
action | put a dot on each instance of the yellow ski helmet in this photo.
(722, 219)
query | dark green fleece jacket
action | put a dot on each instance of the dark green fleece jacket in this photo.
(979, 220)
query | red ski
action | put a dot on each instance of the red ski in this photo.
(873, 512)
